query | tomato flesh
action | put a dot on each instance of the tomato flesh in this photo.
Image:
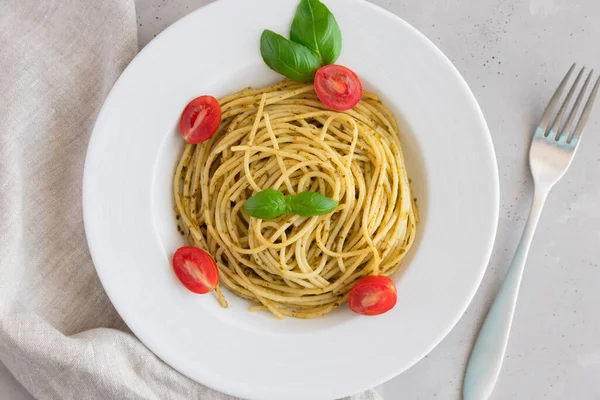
(338, 87)
(196, 269)
(200, 119)
(373, 295)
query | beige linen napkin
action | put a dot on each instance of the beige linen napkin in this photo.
(59, 334)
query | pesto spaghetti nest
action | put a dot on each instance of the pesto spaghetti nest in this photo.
(282, 137)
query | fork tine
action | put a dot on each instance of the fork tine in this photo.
(566, 130)
(585, 114)
(555, 97)
(555, 128)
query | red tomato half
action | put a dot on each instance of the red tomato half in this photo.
(200, 119)
(196, 269)
(337, 87)
(373, 295)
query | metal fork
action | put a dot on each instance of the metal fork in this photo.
(554, 144)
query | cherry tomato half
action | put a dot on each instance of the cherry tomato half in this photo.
(200, 119)
(338, 87)
(373, 295)
(196, 269)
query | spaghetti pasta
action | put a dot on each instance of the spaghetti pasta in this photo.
(282, 137)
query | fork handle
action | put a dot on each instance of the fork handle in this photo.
(488, 353)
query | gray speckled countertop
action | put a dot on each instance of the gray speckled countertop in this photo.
(512, 53)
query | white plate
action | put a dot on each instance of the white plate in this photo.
(130, 223)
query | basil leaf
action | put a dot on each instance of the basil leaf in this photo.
(315, 27)
(267, 204)
(270, 204)
(290, 59)
(309, 204)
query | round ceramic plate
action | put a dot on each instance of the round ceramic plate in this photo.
(132, 235)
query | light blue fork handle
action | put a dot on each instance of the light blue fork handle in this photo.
(487, 356)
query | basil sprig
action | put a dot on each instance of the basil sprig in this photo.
(316, 40)
(270, 204)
